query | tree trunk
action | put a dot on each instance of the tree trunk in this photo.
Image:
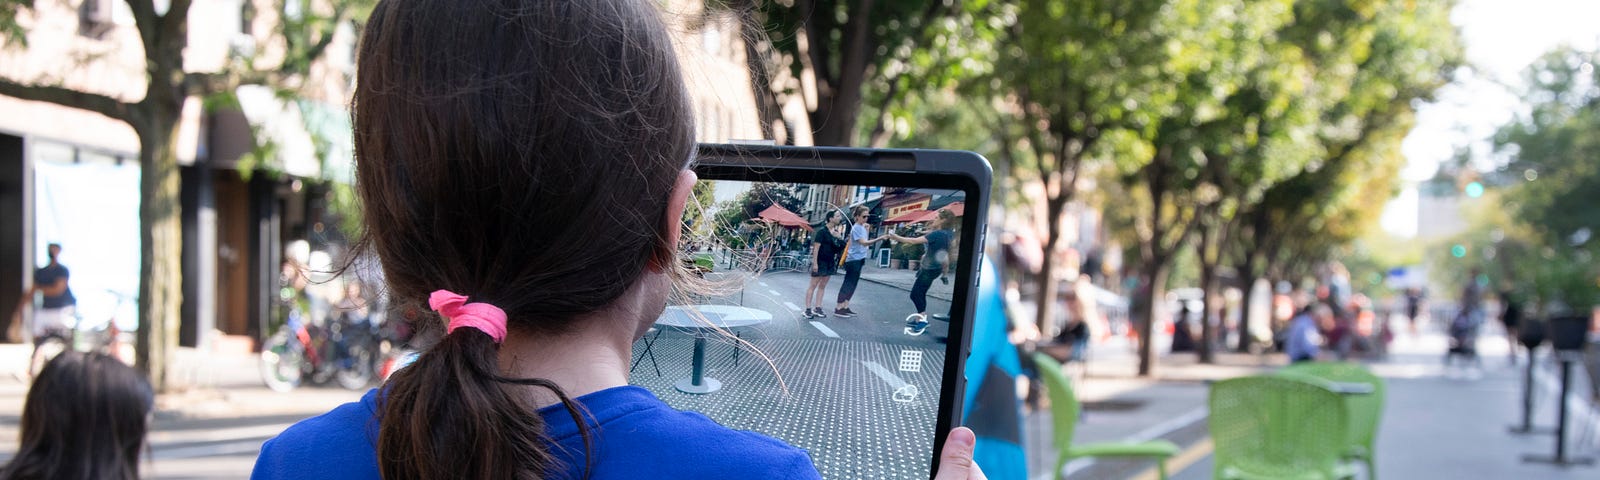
(161, 243)
(1044, 316)
(1047, 272)
(837, 114)
(1155, 272)
(1247, 319)
(1208, 287)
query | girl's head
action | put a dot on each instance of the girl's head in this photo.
(860, 214)
(945, 220)
(527, 155)
(85, 418)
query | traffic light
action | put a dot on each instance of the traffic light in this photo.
(1474, 190)
(1458, 251)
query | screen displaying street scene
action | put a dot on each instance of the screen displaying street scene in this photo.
(825, 322)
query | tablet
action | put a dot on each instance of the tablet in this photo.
(869, 387)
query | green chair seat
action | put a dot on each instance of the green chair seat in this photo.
(1339, 472)
(1154, 448)
(1064, 417)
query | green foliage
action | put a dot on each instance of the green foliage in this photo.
(733, 223)
(1555, 179)
(12, 34)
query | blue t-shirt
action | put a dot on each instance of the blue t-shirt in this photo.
(857, 251)
(635, 436)
(49, 275)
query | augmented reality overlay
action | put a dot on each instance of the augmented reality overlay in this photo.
(855, 378)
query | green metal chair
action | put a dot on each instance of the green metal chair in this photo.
(1365, 410)
(1064, 416)
(1277, 427)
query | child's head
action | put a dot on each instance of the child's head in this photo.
(946, 220)
(528, 156)
(85, 417)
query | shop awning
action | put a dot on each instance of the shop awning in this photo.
(784, 217)
(913, 216)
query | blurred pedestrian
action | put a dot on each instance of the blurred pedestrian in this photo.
(57, 305)
(855, 258)
(1302, 341)
(1413, 307)
(85, 418)
(1510, 318)
(1463, 328)
(826, 246)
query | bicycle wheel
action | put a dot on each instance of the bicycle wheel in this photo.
(45, 349)
(281, 358)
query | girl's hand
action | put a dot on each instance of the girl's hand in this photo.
(956, 463)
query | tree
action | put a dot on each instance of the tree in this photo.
(1552, 152)
(1396, 53)
(1067, 73)
(304, 35)
(835, 50)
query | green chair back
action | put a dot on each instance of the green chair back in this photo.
(1270, 426)
(1365, 410)
(1063, 401)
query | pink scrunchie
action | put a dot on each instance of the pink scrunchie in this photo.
(482, 316)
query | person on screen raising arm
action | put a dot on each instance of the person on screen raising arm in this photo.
(826, 245)
(534, 204)
(855, 258)
(935, 259)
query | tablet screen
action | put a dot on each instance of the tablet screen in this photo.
(855, 379)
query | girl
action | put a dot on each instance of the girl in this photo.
(935, 259)
(523, 168)
(826, 246)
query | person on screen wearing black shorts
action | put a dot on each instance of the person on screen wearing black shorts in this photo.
(826, 246)
(935, 259)
(855, 257)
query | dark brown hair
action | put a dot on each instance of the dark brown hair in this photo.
(521, 153)
(85, 419)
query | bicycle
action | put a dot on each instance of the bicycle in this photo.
(56, 340)
(292, 353)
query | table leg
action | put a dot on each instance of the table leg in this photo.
(697, 381)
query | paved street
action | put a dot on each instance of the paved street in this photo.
(1436, 424)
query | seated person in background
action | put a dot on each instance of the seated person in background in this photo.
(1303, 339)
(85, 418)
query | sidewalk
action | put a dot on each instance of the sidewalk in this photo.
(1435, 425)
(205, 385)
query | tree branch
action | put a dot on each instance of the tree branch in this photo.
(145, 20)
(173, 22)
(66, 97)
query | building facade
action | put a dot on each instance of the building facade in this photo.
(71, 176)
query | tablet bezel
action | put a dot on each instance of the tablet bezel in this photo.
(945, 169)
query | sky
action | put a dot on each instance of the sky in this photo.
(1502, 37)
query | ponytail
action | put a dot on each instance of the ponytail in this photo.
(450, 414)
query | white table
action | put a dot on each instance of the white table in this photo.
(699, 320)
